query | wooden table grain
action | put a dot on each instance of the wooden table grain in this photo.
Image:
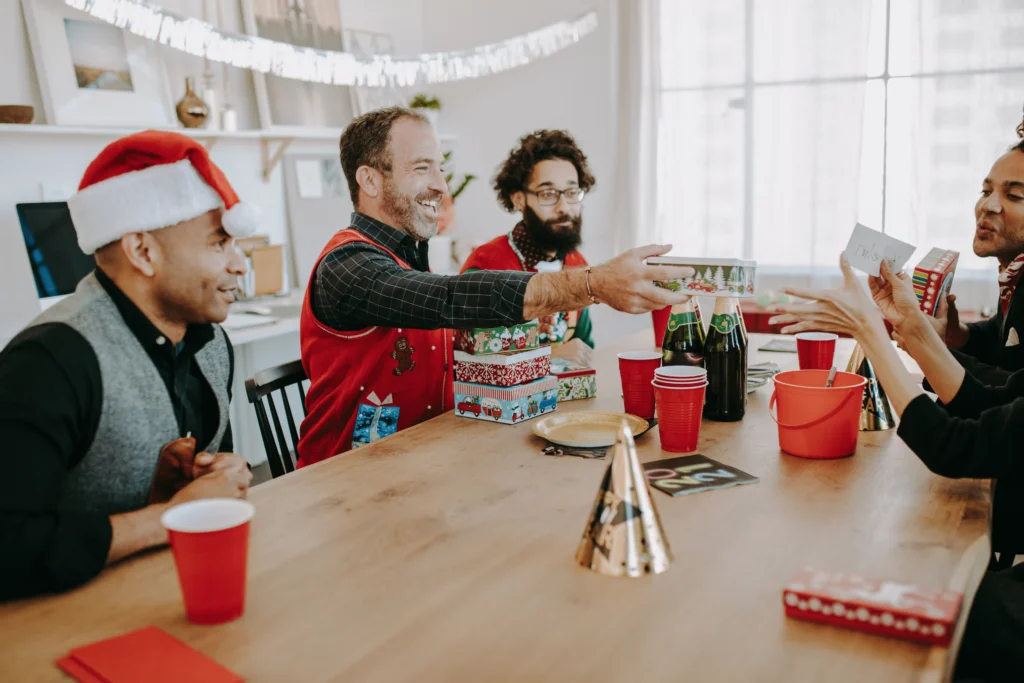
(445, 553)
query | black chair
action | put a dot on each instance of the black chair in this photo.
(260, 392)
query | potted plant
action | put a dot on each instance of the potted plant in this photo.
(429, 106)
(447, 214)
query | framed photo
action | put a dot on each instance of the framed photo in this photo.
(284, 102)
(94, 74)
(367, 44)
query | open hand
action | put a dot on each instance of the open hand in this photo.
(574, 351)
(847, 310)
(626, 283)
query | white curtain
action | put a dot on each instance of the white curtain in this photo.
(762, 151)
(639, 95)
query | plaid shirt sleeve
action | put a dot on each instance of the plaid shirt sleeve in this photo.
(359, 286)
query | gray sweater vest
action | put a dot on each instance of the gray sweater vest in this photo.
(137, 418)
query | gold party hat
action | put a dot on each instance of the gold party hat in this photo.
(623, 536)
(875, 411)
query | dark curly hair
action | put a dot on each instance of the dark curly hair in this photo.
(533, 148)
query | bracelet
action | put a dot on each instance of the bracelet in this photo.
(593, 299)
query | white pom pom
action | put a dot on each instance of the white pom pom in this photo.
(241, 220)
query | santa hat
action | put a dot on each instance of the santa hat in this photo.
(150, 180)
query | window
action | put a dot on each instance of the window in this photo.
(784, 122)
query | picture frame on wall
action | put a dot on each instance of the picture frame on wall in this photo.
(287, 103)
(318, 205)
(94, 74)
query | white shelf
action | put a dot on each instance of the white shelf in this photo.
(277, 133)
(117, 132)
(284, 136)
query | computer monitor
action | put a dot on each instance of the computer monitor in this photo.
(58, 264)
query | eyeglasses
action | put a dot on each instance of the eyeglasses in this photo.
(547, 197)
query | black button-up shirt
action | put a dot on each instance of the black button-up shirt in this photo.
(51, 397)
(358, 285)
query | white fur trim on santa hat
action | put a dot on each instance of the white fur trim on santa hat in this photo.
(241, 219)
(140, 201)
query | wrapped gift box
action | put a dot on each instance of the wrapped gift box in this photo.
(877, 606)
(503, 370)
(933, 278)
(482, 341)
(506, 405)
(574, 381)
(712, 277)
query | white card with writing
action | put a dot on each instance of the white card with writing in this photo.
(868, 247)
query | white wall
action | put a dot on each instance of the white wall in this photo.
(59, 161)
(575, 89)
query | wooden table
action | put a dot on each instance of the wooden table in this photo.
(445, 553)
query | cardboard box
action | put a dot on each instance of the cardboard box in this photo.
(885, 607)
(506, 405)
(503, 369)
(933, 278)
(712, 277)
(574, 381)
(484, 341)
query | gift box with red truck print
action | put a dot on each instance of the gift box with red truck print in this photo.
(506, 405)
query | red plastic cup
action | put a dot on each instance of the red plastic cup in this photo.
(816, 350)
(636, 368)
(679, 414)
(661, 324)
(210, 542)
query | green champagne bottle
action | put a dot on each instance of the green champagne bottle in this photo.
(725, 357)
(684, 336)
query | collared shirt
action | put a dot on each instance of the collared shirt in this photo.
(358, 285)
(51, 398)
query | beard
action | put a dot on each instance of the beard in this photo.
(548, 238)
(406, 213)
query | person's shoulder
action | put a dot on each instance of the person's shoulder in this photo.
(50, 349)
(496, 254)
(56, 337)
(574, 258)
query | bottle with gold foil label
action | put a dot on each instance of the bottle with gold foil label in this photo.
(725, 357)
(684, 336)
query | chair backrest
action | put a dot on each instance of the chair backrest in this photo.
(260, 391)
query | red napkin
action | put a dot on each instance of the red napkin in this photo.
(149, 655)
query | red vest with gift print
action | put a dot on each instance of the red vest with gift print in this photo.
(500, 254)
(367, 384)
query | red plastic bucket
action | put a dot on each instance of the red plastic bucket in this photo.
(814, 421)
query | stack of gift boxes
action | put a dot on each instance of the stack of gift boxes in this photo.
(502, 374)
(505, 375)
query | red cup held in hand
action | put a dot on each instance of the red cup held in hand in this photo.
(210, 542)
(816, 350)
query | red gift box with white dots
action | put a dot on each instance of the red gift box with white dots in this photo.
(878, 606)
